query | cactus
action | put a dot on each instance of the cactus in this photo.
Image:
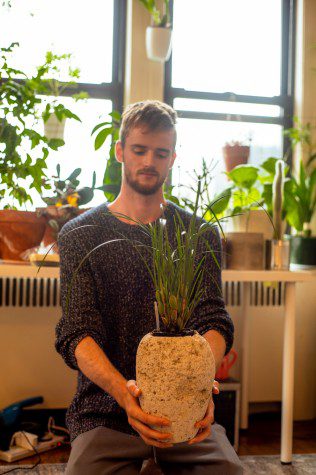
(277, 194)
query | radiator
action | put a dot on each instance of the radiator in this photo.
(45, 292)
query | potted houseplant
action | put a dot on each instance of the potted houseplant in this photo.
(302, 199)
(57, 74)
(249, 225)
(278, 255)
(159, 34)
(235, 153)
(179, 358)
(65, 204)
(23, 155)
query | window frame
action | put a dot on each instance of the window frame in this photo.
(285, 100)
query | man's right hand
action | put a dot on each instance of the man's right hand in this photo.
(140, 421)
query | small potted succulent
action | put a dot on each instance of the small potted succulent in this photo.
(159, 34)
(235, 153)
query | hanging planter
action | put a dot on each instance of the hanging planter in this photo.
(175, 373)
(158, 43)
(54, 128)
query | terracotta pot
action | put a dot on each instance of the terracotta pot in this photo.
(235, 155)
(19, 231)
(175, 374)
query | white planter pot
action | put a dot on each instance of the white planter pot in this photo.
(53, 128)
(158, 43)
(175, 374)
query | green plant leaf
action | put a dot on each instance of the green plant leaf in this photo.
(244, 176)
(101, 138)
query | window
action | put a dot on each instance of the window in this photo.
(94, 33)
(230, 79)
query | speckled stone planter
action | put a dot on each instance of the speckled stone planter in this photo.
(175, 374)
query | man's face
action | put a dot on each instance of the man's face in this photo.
(147, 158)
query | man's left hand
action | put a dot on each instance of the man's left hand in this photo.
(205, 424)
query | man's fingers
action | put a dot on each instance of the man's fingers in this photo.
(133, 389)
(156, 443)
(201, 435)
(139, 414)
(146, 431)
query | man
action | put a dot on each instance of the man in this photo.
(110, 308)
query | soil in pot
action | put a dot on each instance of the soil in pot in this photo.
(19, 231)
(175, 374)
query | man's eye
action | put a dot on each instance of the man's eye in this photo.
(162, 155)
(139, 152)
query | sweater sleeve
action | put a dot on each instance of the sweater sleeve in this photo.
(210, 313)
(80, 315)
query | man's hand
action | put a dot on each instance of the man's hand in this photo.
(140, 421)
(205, 424)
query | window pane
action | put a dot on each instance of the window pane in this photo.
(199, 139)
(78, 151)
(227, 46)
(223, 107)
(84, 29)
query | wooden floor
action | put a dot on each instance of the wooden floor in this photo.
(262, 438)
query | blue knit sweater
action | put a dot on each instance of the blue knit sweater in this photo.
(111, 300)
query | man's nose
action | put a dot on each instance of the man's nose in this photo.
(149, 158)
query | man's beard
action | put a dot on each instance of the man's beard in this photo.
(138, 187)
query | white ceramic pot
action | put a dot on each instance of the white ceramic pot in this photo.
(175, 374)
(158, 43)
(53, 128)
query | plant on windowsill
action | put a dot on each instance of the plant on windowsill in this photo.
(23, 155)
(302, 199)
(159, 34)
(57, 75)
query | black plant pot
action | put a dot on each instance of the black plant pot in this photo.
(303, 250)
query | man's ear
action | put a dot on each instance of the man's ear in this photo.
(119, 151)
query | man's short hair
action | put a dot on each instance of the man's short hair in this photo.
(153, 115)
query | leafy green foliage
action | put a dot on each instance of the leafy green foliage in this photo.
(23, 151)
(157, 17)
(113, 175)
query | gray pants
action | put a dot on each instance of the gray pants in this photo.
(102, 451)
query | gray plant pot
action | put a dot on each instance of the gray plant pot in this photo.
(303, 250)
(175, 375)
(245, 251)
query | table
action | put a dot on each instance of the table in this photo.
(290, 278)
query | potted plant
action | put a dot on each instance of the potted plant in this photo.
(56, 68)
(176, 356)
(235, 153)
(23, 155)
(159, 34)
(302, 200)
(279, 248)
(65, 204)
